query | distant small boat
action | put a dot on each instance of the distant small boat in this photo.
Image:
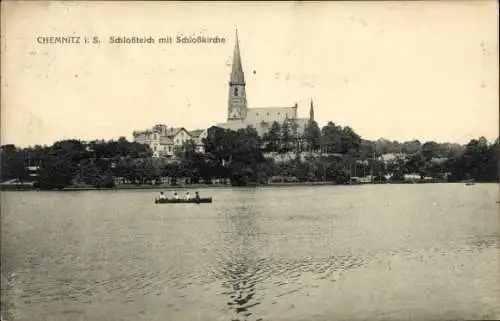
(183, 201)
(468, 183)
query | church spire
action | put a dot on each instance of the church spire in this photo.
(311, 112)
(237, 107)
(237, 75)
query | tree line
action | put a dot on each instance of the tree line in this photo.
(332, 153)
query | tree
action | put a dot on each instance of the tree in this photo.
(493, 162)
(397, 168)
(295, 134)
(286, 136)
(411, 147)
(312, 136)
(55, 172)
(272, 138)
(237, 153)
(218, 144)
(416, 164)
(12, 163)
(367, 149)
(382, 146)
(331, 140)
(350, 141)
(430, 150)
(476, 159)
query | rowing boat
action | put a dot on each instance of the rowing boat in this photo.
(183, 201)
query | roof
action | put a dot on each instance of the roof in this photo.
(232, 125)
(172, 131)
(144, 132)
(196, 132)
(303, 121)
(269, 108)
(237, 75)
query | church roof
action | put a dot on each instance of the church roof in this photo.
(269, 108)
(302, 121)
(237, 75)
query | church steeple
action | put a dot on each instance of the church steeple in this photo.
(311, 112)
(237, 104)
(237, 75)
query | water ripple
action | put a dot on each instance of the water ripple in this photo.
(252, 255)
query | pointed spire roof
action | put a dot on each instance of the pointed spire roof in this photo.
(237, 75)
(311, 111)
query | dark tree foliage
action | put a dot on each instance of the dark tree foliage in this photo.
(312, 136)
(12, 163)
(238, 157)
(72, 161)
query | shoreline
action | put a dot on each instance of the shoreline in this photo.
(204, 186)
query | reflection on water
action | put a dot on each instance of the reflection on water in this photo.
(382, 252)
(250, 279)
(240, 270)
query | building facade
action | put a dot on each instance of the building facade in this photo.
(240, 116)
(166, 141)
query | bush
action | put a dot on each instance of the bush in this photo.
(106, 181)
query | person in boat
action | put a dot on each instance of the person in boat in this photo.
(197, 196)
(187, 197)
(176, 196)
(162, 196)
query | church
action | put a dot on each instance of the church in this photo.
(240, 116)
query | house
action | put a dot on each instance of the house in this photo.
(152, 138)
(166, 141)
(198, 135)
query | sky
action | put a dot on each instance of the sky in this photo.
(397, 70)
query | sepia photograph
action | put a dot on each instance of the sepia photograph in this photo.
(249, 161)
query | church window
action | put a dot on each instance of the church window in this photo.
(236, 91)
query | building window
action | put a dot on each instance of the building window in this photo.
(278, 114)
(256, 114)
(267, 114)
(236, 91)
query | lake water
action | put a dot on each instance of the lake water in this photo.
(382, 252)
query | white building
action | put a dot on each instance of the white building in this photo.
(166, 141)
(240, 116)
